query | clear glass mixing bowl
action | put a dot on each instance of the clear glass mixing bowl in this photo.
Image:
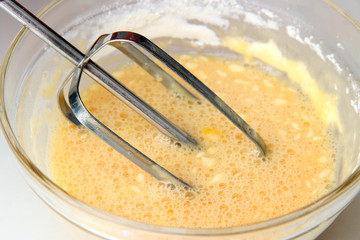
(31, 71)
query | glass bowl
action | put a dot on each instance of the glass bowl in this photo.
(31, 71)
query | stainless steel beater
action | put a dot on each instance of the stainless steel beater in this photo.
(126, 42)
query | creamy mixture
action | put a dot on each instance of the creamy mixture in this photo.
(233, 185)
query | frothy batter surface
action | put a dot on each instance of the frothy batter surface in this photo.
(233, 185)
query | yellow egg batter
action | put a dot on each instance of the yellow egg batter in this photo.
(233, 185)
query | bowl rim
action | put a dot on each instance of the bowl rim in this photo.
(352, 181)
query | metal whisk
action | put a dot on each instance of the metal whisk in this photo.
(126, 42)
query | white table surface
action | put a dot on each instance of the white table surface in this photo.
(24, 216)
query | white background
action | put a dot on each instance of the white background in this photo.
(24, 216)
